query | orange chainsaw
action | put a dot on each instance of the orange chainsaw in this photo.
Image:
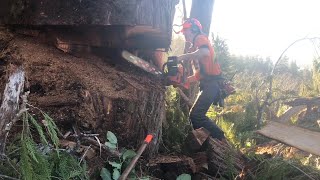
(175, 75)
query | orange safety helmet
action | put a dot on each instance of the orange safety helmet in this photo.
(192, 23)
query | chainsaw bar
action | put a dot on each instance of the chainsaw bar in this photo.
(142, 64)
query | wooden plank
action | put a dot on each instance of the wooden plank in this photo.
(291, 112)
(300, 138)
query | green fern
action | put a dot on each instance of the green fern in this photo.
(52, 129)
(33, 165)
(39, 129)
(26, 161)
(66, 167)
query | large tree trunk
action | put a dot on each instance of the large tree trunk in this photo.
(95, 91)
(134, 23)
(89, 92)
(202, 10)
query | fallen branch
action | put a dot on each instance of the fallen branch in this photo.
(95, 143)
(184, 97)
(8, 127)
(302, 171)
(7, 177)
(10, 105)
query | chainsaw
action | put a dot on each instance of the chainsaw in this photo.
(177, 74)
(173, 71)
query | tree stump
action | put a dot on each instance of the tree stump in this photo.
(89, 92)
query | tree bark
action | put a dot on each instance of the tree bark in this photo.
(90, 92)
(202, 10)
(10, 104)
(109, 23)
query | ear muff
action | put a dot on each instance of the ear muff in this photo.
(194, 27)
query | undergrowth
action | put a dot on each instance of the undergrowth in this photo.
(239, 122)
(177, 125)
(30, 160)
(239, 126)
(277, 168)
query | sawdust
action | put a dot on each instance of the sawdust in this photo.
(61, 71)
(91, 91)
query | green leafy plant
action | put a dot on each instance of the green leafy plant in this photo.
(184, 177)
(176, 126)
(29, 160)
(112, 142)
(66, 166)
(117, 164)
(33, 164)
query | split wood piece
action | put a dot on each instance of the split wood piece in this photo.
(222, 158)
(300, 138)
(173, 163)
(290, 113)
(196, 139)
(58, 100)
(200, 160)
(10, 103)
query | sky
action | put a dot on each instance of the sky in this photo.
(266, 28)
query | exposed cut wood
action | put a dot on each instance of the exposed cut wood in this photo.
(175, 163)
(300, 138)
(200, 159)
(196, 139)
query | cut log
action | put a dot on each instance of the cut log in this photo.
(304, 101)
(195, 140)
(10, 104)
(284, 118)
(200, 160)
(223, 160)
(300, 138)
(173, 165)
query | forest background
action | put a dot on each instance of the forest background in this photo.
(239, 118)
